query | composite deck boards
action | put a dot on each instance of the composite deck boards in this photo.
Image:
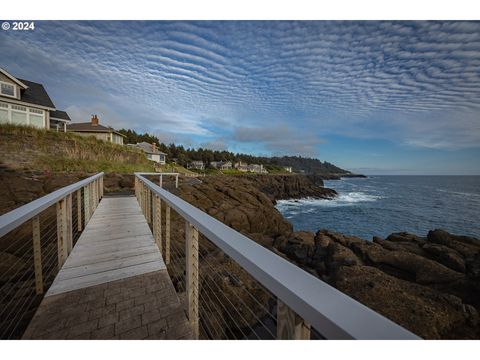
(117, 243)
(114, 284)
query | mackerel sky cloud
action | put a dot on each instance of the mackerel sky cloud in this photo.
(397, 97)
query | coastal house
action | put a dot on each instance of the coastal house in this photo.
(288, 169)
(93, 128)
(196, 164)
(257, 168)
(151, 152)
(222, 165)
(215, 164)
(240, 166)
(25, 102)
(227, 165)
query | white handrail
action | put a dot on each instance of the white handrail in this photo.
(334, 314)
(18, 216)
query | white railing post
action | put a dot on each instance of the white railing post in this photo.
(191, 255)
(290, 326)
(61, 232)
(37, 255)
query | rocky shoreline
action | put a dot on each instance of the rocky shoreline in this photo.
(430, 285)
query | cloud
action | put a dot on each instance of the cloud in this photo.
(279, 140)
(415, 82)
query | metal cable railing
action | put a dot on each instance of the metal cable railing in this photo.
(35, 240)
(234, 288)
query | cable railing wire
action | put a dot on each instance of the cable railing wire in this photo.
(18, 284)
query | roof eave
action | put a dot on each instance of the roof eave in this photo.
(26, 103)
(13, 78)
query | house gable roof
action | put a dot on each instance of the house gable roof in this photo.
(13, 78)
(59, 114)
(148, 148)
(88, 127)
(36, 94)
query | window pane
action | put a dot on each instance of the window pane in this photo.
(19, 118)
(7, 89)
(18, 107)
(3, 116)
(36, 120)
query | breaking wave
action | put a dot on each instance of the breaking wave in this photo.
(345, 199)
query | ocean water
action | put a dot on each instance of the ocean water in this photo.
(381, 205)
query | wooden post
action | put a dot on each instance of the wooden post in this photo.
(161, 181)
(79, 209)
(37, 255)
(167, 234)
(97, 183)
(144, 200)
(61, 232)
(101, 187)
(90, 201)
(95, 194)
(136, 188)
(69, 225)
(290, 326)
(191, 255)
(157, 222)
(149, 205)
(150, 217)
(176, 181)
(86, 205)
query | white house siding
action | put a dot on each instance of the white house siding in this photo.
(116, 139)
(22, 115)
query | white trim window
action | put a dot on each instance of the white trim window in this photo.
(21, 115)
(8, 89)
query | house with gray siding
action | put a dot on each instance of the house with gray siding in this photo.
(151, 152)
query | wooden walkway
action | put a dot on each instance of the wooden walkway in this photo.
(114, 284)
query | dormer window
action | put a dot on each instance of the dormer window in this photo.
(7, 89)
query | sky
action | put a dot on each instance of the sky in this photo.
(372, 97)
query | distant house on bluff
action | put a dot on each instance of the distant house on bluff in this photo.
(151, 152)
(24, 102)
(93, 128)
(196, 164)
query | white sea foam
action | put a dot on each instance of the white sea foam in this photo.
(346, 199)
(466, 194)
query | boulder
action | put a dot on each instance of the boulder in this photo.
(409, 266)
(446, 256)
(425, 311)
